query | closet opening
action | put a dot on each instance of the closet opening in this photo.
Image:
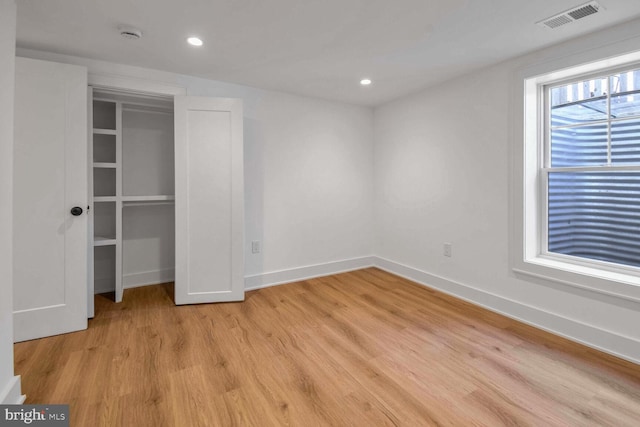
(132, 186)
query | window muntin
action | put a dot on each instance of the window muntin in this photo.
(592, 169)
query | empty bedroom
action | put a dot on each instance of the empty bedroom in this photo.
(305, 213)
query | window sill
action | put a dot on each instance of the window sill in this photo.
(614, 284)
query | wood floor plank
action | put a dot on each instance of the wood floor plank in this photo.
(364, 348)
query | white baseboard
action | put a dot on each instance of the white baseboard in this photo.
(257, 281)
(303, 273)
(606, 341)
(11, 394)
(135, 280)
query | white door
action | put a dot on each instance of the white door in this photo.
(209, 200)
(50, 178)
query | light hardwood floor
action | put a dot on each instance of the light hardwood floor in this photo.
(356, 349)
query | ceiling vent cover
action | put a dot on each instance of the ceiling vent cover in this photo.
(571, 15)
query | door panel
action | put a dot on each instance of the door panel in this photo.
(50, 166)
(209, 200)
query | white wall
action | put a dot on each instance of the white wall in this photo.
(308, 175)
(442, 175)
(9, 385)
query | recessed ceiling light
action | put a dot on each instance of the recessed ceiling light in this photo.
(194, 41)
(365, 82)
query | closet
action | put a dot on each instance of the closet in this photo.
(120, 182)
(132, 228)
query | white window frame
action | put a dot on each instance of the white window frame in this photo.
(529, 258)
(546, 168)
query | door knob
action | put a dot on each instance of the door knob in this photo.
(76, 211)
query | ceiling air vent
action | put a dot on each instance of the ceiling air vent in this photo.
(571, 15)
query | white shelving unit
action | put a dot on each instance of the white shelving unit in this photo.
(105, 141)
(127, 170)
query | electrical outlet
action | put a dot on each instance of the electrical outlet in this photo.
(447, 249)
(255, 247)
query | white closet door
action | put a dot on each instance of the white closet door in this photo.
(209, 200)
(50, 244)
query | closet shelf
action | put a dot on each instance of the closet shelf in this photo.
(103, 241)
(147, 200)
(104, 165)
(104, 199)
(98, 131)
(160, 198)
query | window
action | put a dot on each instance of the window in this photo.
(575, 194)
(591, 170)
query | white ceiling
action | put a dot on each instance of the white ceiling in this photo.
(318, 48)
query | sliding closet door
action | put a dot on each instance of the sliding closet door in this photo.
(50, 199)
(209, 200)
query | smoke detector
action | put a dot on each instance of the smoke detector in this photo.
(571, 15)
(130, 33)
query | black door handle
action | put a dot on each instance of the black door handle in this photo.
(76, 211)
